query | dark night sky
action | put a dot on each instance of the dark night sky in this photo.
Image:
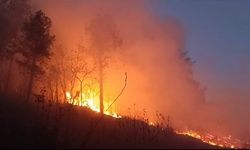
(218, 39)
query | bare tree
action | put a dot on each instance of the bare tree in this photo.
(59, 62)
(72, 69)
(81, 69)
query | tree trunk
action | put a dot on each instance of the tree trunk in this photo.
(8, 75)
(101, 85)
(30, 83)
(57, 98)
(81, 90)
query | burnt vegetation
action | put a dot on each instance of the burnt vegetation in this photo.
(33, 107)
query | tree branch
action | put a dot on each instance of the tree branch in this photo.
(126, 78)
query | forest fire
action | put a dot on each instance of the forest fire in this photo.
(224, 141)
(81, 74)
(90, 102)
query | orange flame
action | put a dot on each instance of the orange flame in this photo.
(90, 103)
(224, 142)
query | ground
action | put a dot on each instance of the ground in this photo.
(29, 124)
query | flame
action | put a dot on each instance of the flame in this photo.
(151, 123)
(68, 95)
(89, 102)
(224, 141)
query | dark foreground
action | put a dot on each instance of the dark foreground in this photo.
(44, 125)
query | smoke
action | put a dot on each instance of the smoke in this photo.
(160, 78)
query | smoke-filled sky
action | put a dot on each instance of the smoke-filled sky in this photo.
(214, 32)
(218, 39)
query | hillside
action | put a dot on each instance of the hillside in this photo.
(39, 125)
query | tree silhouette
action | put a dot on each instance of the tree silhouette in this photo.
(36, 45)
(13, 14)
(104, 38)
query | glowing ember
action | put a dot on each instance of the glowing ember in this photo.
(226, 142)
(90, 103)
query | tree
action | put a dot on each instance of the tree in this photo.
(12, 16)
(81, 69)
(36, 45)
(104, 38)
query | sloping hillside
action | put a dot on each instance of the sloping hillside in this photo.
(31, 124)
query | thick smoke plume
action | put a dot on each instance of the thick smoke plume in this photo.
(160, 77)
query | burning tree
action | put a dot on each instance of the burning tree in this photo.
(104, 38)
(36, 45)
(80, 69)
(71, 71)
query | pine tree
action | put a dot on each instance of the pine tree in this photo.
(36, 45)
